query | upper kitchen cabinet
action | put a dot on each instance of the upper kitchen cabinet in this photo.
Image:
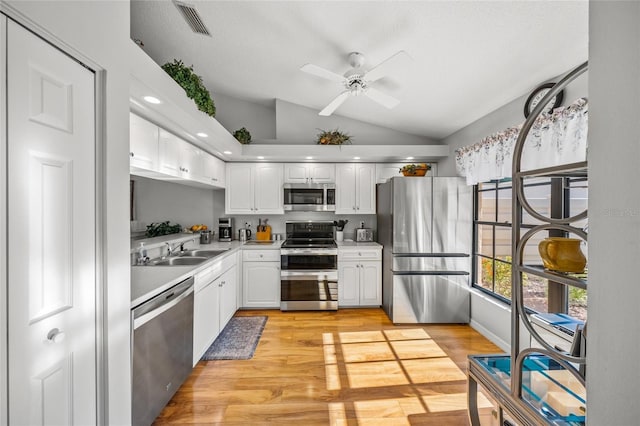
(355, 188)
(309, 173)
(179, 158)
(143, 144)
(254, 188)
(213, 170)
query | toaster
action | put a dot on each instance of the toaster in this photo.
(364, 234)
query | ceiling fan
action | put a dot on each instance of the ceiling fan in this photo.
(358, 81)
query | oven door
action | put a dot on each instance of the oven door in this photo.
(308, 290)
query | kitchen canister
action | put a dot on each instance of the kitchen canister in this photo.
(206, 237)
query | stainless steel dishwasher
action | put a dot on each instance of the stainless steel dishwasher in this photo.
(162, 345)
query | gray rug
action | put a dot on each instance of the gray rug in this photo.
(238, 340)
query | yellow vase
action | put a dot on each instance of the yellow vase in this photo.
(562, 254)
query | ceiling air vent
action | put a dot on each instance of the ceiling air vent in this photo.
(191, 15)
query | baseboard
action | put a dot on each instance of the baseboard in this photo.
(490, 335)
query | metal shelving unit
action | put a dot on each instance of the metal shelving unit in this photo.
(524, 381)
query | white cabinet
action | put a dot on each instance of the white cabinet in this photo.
(143, 143)
(215, 302)
(355, 188)
(179, 158)
(213, 171)
(359, 277)
(261, 278)
(309, 173)
(254, 188)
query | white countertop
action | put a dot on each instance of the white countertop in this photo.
(357, 244)
(149, 281)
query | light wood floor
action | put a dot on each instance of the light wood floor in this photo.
(350, 367)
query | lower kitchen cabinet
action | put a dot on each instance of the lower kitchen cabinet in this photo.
(261, 278)
(359, 278)
(214, 304)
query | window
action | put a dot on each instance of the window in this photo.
(559, 197)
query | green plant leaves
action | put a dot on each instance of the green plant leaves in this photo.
(192, 85)
(162, 228)
(242, 135)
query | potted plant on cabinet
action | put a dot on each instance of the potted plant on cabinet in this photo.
(415, 169)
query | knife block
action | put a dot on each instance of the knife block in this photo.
(264, 235)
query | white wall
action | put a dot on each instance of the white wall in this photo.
(504, 117)
(235, 113)
(99, 30)
(613, 341)
(299, 125)
(158, 201)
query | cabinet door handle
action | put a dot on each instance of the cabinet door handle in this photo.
(131, 154)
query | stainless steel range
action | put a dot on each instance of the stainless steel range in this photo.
(309, 267)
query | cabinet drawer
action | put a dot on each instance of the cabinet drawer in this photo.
(208, 275)
(261, 255)
(360, 254)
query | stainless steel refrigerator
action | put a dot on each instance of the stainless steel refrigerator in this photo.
(425, 227)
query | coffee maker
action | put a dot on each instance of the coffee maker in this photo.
(225, 228)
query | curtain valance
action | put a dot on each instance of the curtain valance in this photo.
(556, 138)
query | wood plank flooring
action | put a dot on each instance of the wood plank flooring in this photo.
(350, 367)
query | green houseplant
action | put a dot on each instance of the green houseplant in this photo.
(332, 137)
(192, 85)
(242, 135)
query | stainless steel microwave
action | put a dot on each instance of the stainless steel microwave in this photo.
(310, 197)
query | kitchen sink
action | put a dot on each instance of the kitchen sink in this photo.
(202, 253)
(180, 261)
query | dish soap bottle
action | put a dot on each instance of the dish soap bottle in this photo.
(142, 255)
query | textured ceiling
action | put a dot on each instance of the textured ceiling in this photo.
(468, 57)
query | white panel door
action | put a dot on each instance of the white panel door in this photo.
(52, 226)
(295, 173)
(143, 143)
(366, 189)
(261, 284)
(213, 170)
(206, 324)
(239, 189)
(322, 173)
(345, 188)
(348, 284)
(370, 283)
(169, 157)
(190, 160)
(268, 189)
(228, 295)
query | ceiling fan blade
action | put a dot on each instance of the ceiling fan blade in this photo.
(381, 98)
(396, 60)
(322, 73)
(334, 104)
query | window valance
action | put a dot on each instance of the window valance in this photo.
(556, 138)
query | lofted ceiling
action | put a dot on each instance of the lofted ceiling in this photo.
(468, 57)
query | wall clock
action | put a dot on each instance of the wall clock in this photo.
(536, 96)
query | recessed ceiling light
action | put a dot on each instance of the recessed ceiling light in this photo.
(228, 152)
(202, 135)
(409, 158)
(260, 157)
(152, 100)
(309, 158)
(356, 158)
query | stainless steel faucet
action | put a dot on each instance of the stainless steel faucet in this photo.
(171, 249)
